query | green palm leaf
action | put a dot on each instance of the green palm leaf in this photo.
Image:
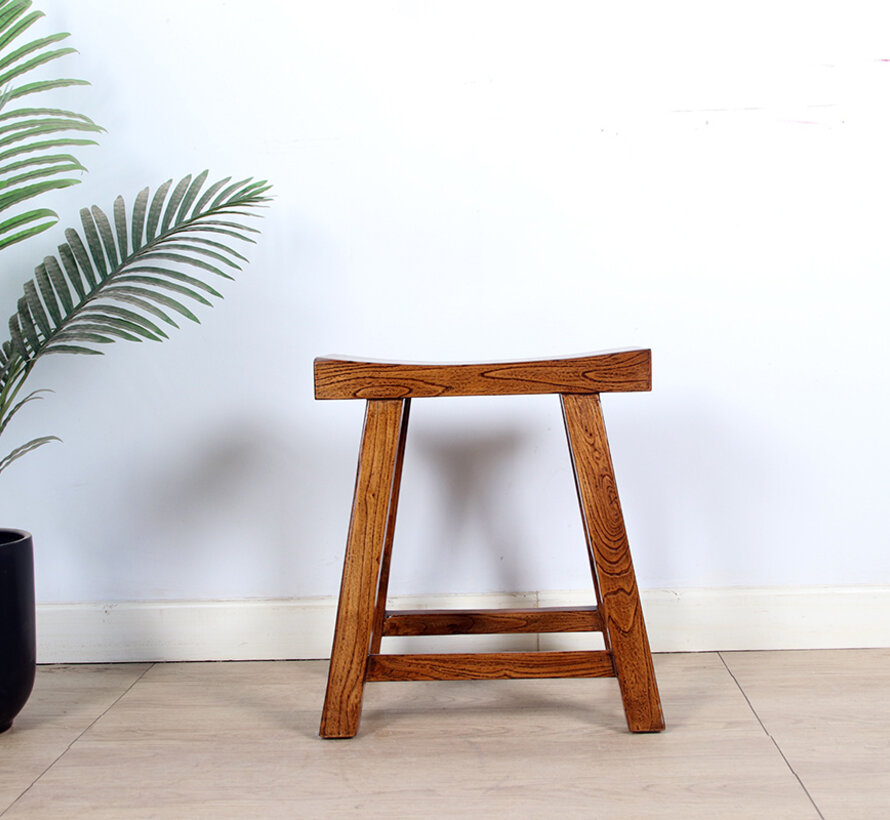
(34, 159)
(24, 449)
(115, 283)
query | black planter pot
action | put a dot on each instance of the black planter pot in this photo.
(18, 635)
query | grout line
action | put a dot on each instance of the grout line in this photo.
(68, 747)
(767, 733)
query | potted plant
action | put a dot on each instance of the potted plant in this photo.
(131, 275)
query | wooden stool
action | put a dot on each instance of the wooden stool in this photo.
(362, 617)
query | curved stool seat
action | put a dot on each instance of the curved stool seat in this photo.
(612, 372)
(362, 617)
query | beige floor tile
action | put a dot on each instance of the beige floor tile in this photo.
(239, 740)
(438, 778)
(65, 701)
(829, 712)
(216, 701)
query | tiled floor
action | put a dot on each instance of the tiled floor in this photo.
(757, 734)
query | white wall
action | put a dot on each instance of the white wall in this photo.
(474, 180)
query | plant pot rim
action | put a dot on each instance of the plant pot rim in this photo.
(22, 535)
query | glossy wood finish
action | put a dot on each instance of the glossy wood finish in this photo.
(619, 371)
(490, 666)
(490, 622)
(383, 584)
(362, 618)
(607, 542)
(361, 568)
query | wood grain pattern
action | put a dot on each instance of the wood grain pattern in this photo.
(361, 567)
(607, 541)
(383, 583)
(620, 371)
(490, 666)
(489, 622)
(362, 619)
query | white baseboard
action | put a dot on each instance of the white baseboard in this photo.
(685, 620)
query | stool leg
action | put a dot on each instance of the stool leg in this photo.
(607, 542)
(383, 585)
(378, 458)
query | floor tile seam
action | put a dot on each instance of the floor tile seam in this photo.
(769, 735)
(68, 748)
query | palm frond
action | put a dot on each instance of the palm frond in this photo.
(24, 449)
(118, 276)
(33, 396)
(124, 277)
(34, 141)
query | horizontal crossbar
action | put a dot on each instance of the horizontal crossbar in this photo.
(491, 621)
(490, 666)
